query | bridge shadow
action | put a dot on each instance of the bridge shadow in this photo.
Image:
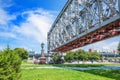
(113, 74)
(77, 65)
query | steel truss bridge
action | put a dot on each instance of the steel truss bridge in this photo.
(82, 22)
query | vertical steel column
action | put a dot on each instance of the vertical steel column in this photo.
(119, 5)
(100, 11)
(77, 15)
(48, 40)
(48, 48)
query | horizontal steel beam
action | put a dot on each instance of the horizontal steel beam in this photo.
(78, 19)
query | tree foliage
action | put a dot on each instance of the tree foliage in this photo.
(81, 55)
(94, 56)
(57, 58)
(9, 65)
(21, 52)
(69, 56)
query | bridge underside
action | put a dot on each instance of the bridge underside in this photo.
(83, 22)
(107, 31)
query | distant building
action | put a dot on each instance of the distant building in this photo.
(91, 50)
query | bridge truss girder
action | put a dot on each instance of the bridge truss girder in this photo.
(82, 22)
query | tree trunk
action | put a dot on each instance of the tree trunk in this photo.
(83, 61)
(78, 61)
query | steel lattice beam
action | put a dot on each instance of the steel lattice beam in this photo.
(82, 22)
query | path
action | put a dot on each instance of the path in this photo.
(79, 68)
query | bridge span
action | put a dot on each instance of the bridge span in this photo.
(83, 22)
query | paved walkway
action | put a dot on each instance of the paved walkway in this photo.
(79, 68)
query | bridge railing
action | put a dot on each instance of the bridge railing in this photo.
(79, 17)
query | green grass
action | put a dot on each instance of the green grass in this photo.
(32, 65)
(59, 74)
(28, 64)
(84, 65)
(118, 64)
(63, 74)
(78, 65)
(114, 74)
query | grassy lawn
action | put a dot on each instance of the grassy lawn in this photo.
(29, 64)
(114, 74)
(60, 74)
(85, 65)
(60, 65)
(64, 74)
(26, 64)
(78, 65)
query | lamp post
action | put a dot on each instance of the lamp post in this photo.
(42, 58)
(42, 50)
(42, 45)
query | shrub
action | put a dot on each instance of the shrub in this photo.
(21, 52)
(9, 65)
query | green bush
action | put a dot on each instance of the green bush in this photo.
(9, 65)
(21, 52)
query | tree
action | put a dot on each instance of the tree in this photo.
(69, 56)
(21, 52)
(57, 58)
(9, 65)
(93, 56)
(118, 48)
(80, 55)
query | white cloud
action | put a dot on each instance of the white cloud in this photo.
(7, 3)
(7, 34)
(109, 44)
(1, 48)
(4, 16)
(32, 31)
(36, 25)
(112, 45)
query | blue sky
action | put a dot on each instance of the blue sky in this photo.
(25, 23)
